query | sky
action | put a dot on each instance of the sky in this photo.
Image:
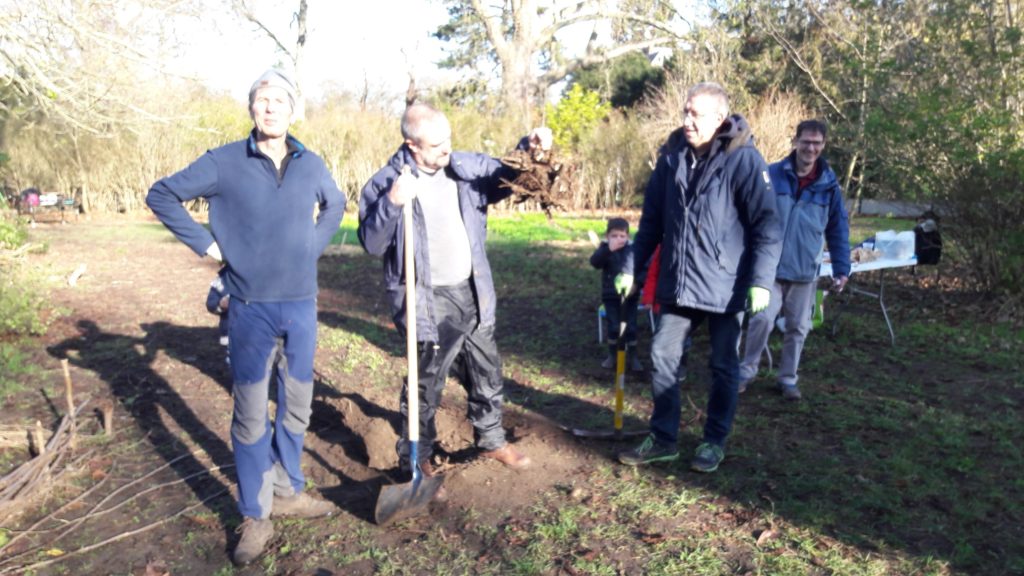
(348, 43)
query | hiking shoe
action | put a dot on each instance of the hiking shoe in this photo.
(707, 457)
(255, 533)
(790, 392)
(301, 505)
(647, 452)
(608, 363)
(743, 385)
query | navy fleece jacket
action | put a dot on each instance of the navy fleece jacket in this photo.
(263, 224)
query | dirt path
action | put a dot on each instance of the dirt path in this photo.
(136, 333)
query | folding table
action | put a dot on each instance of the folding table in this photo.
(881, 264)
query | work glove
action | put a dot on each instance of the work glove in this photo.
(623, 284)
(757, 299)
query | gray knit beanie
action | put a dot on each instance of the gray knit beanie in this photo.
(274, 77)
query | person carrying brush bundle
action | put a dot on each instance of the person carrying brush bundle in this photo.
(455, 307)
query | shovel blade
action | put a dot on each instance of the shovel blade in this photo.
(400, 501)
(608, 434)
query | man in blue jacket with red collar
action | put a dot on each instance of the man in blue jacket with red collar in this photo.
(810, 206)
(455, 307)
(262, 192)
(709, 204)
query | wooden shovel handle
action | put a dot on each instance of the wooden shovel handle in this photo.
(412, 380)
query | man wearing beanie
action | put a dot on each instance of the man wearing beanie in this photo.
(261, 192)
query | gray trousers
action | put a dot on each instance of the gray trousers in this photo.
(794, 300)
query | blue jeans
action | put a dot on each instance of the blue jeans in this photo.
(674, 326)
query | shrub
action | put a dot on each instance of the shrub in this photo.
(575, 117)
(20, 301)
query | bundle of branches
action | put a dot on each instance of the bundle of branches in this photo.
(29, 479)
(543, 178)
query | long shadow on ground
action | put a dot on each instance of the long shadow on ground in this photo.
(125, 364)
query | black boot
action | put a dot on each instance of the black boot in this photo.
(609, 362)
(632, 362)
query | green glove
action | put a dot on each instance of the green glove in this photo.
(757, 298)
(623, 282)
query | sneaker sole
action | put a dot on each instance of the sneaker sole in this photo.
(698, 468)
(630, 462)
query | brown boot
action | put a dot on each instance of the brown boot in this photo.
(428, 470)
(301, 505)
(255, 535)
(509, 456)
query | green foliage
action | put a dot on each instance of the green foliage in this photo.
(13, 363)
(20, 298)
(622, 81)
(20, 304)
(12, 233)
(576, 116)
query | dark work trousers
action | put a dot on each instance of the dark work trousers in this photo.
(458, 332)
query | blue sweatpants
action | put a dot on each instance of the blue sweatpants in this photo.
(270, 339)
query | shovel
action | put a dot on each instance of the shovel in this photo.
(620, 390)
(400, 501)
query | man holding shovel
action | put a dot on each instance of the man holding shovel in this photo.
(454, 291)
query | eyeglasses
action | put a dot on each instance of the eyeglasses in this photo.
(689, 114)
(810, 143)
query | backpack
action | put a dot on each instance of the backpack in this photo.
(927, 242)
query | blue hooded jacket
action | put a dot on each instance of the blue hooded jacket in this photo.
(810, 218)
(478, 178)
(727, 239)
(262, 224)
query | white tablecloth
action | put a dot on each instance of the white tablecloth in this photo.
(881, 263)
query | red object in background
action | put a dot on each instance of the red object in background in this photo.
(31, 197)
(650, 284)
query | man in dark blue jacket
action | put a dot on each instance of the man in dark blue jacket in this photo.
(262, 192)
(709, 204)
(810, 206)
(455, 307)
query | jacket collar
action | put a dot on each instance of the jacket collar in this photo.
(734, 133)
(295, 148)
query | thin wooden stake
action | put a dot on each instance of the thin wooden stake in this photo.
(37, 441)
(107, 416)
(69, 396)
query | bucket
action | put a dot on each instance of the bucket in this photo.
(885, 242)
(904, 246)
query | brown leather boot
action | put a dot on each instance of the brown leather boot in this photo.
(509, 456)
(256, 533)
